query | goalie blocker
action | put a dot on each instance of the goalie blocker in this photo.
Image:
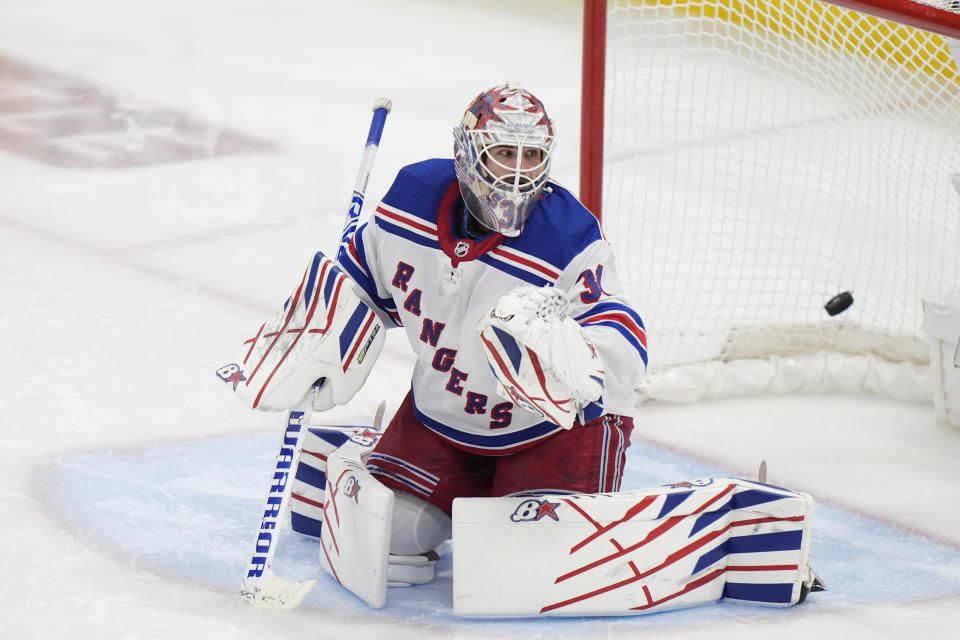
(323, 334)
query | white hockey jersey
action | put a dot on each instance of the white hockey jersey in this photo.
(421, 276)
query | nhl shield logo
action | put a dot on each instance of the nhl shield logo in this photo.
(462, 248)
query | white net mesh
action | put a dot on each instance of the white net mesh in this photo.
(764, 156)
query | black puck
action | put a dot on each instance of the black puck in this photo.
(839, 303)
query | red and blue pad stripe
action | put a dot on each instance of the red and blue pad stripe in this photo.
(310, 479)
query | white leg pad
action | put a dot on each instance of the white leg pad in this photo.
(355, 537)
(631, 552)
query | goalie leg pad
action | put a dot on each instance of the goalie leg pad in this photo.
(632, 552)
(310, 480)
(355, 538)
(310, 477)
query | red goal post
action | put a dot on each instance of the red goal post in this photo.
(752, 159)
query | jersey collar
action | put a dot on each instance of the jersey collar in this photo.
(460, 249)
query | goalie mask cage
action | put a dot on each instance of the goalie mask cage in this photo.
(760, 157)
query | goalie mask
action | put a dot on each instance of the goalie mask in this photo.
(502, 154)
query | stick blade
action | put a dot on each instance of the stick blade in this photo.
(273, 593)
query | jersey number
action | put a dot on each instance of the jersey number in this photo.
(507, 218)
(592, 287)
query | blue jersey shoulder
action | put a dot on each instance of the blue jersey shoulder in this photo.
(419, 188)
(559, 229)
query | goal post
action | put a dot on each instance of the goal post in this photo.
(751, 160)
(591, 105)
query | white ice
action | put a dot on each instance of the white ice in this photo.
(121, 290)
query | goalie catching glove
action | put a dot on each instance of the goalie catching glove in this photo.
(324, 334)
(539, 354)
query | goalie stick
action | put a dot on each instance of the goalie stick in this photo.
(260, 586)
(381, 107)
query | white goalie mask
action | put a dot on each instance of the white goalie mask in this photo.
(502, 153)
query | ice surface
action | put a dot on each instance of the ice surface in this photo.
(168, 168)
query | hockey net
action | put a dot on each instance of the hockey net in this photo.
(761, 157)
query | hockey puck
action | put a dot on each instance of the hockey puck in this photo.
(839, 303)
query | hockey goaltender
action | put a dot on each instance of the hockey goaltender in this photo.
(513, 436)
